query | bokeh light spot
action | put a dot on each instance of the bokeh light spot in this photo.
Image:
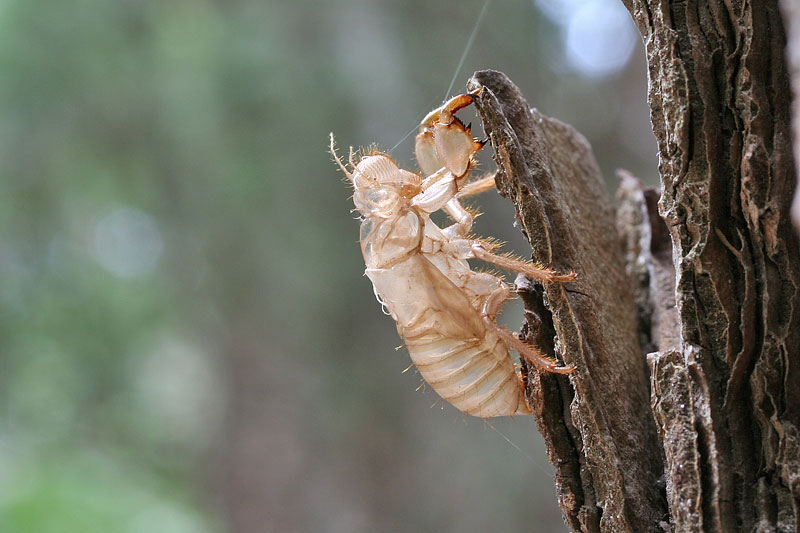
(600, 38)
(127, 242)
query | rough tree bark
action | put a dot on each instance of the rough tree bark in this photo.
(791, 16)
(720, 107)
(684, 324)
(603, 445)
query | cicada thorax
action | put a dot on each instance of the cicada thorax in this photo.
(435, 300)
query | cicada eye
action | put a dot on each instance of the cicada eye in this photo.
(363, 181)
(376, 202)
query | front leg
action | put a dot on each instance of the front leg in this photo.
(444, 141)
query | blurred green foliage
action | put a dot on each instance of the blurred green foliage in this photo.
(187, 342)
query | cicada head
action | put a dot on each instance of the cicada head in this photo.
(382, 189)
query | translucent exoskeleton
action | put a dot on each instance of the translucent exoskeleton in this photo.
(445, 312)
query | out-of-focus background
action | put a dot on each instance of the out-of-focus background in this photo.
(188, 344)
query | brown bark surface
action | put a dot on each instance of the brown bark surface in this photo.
(791, 18)
(700, 314)
(600, 435)
(726, 398)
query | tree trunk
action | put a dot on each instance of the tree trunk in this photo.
(692, 303)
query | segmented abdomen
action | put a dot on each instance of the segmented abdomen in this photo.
(464, 361)
(475, 375)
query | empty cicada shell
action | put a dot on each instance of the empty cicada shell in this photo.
(445, 312)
